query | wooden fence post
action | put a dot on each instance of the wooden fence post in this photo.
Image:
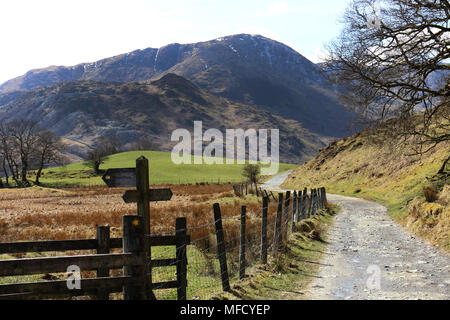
(246, 189)
(143, 209)
(286, 214)
(305, 203)
(316, 192)
(221, 248)
(266, 194)
(294, 210)
(316, 202)
(299, 205)
(180, 242)
(277, 235)
(322, 198)
(309, 202)
(103, 244)
(325, 196)
(133, 243)
(313, 202)
(265, 209)
(319, 197)
(242, 245)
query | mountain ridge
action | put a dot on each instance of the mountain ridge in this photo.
(83, 111)
(249, 69)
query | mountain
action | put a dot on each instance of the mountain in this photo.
(84, 110)
(249, 69)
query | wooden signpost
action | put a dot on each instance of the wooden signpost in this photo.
(139, 177)
(132, 196)
(120, 178)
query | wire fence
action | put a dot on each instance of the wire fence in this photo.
(222, 244)
(248, 238)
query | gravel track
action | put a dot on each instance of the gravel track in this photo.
(370, 256)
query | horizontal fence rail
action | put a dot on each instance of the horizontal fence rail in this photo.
(59, 264)
(72, 245)
(59, 287)
(100, 286)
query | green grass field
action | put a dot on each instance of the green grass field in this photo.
(162, 171)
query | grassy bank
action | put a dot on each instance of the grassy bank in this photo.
(287, 276)
(385, 172)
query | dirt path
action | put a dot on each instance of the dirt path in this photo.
(370, 256)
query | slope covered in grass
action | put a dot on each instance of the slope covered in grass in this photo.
(374, 168)
(162, 171)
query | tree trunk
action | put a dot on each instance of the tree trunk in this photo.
(14, 172)
(97, 167)
(24, 173)
(38, 175)
(39, 172)
(5, 171)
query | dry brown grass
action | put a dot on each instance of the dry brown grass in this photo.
(431, 220)
(47, 214)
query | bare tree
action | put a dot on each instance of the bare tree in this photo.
(144, 144)
(47, 150)
(9, 153)
(23, 146)
(392, 59)
(251, 172)
(106, 146)
(4, 166)
(2, 160)
(24, 136)
(111, 143)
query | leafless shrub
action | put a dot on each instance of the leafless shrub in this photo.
(430, 194)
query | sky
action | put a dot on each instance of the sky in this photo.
(38, 34)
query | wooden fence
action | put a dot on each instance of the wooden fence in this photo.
(131, 260)
(303, 206)
(246, 188)
(292, 208)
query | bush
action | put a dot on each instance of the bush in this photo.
(430, 193)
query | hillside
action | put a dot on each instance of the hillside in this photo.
(162, 171)
(82, 111)
(250, 69)
(377, 169)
